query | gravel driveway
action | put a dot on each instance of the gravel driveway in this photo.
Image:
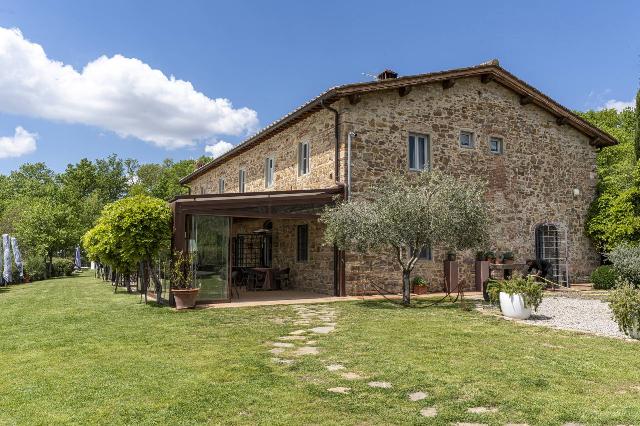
(591, 316)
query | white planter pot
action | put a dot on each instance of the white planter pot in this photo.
(512, 306)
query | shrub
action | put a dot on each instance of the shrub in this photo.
(62, 267)
(626, 263)
(530, 290)
(624, 302)
(34, 268)
(604, 277)
(418, 280)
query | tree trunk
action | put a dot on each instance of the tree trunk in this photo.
(406, 287)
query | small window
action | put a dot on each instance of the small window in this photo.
(202, 190)
(303, 243)
(425, 253)
(496, 146)
(269, 172)
(221, 185)
(419, 152)
(241, 180)
(466, 139)
(303, 159)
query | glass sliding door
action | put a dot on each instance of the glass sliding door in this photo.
(209, 245)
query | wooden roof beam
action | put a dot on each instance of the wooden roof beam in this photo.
(404, 91)
(525, 99)
(561, 121)
(354, 98)
(448, 83)
(486, 78)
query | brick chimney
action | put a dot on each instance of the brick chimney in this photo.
(387, 74)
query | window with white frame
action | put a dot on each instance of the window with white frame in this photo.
(466, 139)
(419, 152)
(303, 159)
(269, 172)
(496, 145)
(221, 185)
(241, 176)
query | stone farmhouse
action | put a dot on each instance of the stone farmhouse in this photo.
(257, 205)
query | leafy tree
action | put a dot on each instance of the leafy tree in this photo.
(405, 215)
(162, 180)
(637, 138)
(614, 216)
(129, 231)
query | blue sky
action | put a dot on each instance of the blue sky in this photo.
(269, 57)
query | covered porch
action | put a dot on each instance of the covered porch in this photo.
(259, 246)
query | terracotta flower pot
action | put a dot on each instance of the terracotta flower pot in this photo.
(420, 289)
(507, 261)
(185, 297)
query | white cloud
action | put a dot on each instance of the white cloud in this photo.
(218, 148)
(21, 143)
(120, 94)
(618, 105)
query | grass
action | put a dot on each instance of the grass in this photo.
(71, 351)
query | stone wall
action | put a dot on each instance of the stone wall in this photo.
(315, 274)
(317, 129)
(532, 182)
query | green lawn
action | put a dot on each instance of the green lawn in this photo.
(73, 352)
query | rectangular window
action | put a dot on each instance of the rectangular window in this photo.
(425, 253)
(202, 190)
(241, 180)
(419, 152)
(496, 146)
(303, 159)
(303, 243)
(221, 185)
(466, 139)
(269, 172)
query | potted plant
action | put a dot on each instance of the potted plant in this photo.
(481, 255)
(517, 296)
(507, 257)
(183, 287)
(420, 285)
(490, 256)
(624, 302)
(451, 256)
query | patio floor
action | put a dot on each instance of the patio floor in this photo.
(295, 297)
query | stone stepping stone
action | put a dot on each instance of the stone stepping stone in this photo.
(417, 396)
(335, 367)
(276, 351)
(301, 322)
(292, 338)
(282, 345)
(351, 376)
(312, 342)
(482, 410)
(307, 350)
(339, 389)
(384, 385)
(322, 330)
(282, 361)
(298, 332)
(429, 412)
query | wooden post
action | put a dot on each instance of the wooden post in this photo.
(451, 276)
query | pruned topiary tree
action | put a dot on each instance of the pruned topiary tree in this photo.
(405, 214)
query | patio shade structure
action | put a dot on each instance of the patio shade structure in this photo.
(213, 215)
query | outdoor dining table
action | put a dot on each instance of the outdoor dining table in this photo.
(268, 277)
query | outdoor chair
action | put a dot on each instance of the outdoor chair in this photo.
(236, 282)
(282, 278)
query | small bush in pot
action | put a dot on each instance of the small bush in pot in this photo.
(481, 255)
(507, 257)
(490, 256)
(604, 277)
(420, 285)
(517, 297)
(182, 281)
(624, 302)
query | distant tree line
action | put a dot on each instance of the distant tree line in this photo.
(49, 212)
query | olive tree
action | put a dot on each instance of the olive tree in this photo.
(405, 214)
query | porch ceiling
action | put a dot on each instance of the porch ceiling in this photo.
(270, 204)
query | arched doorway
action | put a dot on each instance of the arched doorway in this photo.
(551, 245)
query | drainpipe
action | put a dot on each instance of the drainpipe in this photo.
(349, 139)
(336, 127)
